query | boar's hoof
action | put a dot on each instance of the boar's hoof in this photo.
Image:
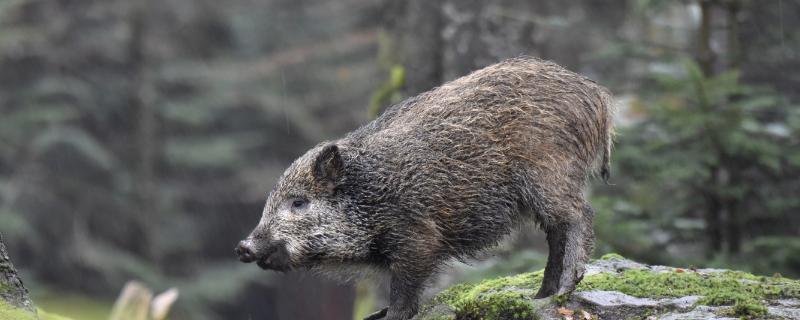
(378, 315)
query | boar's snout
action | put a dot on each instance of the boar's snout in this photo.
(274, 255)
(244, 251)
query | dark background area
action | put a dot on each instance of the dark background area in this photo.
(138, 139)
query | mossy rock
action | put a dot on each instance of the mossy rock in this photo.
(14, 297)
(8, 311)
(618, 288)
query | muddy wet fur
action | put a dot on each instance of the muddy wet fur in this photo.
(444, 175)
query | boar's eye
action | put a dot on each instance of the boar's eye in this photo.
(299, 203)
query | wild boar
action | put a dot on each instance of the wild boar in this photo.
(447, 174)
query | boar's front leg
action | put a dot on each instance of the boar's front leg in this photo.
(410, 267)
(403, 298)
(406, 288)
(380, 314)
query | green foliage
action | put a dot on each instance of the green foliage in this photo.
(697, 138)
(119, 158)
(78, 139)
(206, 152)
(764, 255)
(389, 59)
(232, 105)
(774, 251)
(389, 92)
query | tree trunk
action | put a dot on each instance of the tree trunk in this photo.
(734, 223)
(705, 56)
(733, 51)
(11, 289)
(421, 43)
(713, 214)
(142, 99)
(715, 202)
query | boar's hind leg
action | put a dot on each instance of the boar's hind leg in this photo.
(577, 248)
(555, 259)
(570, 243)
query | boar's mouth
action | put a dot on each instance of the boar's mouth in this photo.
(275, 258)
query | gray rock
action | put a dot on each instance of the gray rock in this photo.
(710, 270)
(699, 313)
(612, 265)
(12, 291)
(661, 269)
(439, 312)
(610, 299)
(784, 312)
(612, 304)
(788, 302)
(682, 303)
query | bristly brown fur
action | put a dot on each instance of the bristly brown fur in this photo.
(450, 172)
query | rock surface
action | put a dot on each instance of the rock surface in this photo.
(618, 288)
(14, 300)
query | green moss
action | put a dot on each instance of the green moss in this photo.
(743, 305)
(501, 298)
(561, 299)
(454, 293)
(749, 309)
(512, 297)
(744, 291)
(8, 311)
(612, 256)
(643, 283)
(4, 288)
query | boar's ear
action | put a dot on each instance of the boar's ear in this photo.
(328, 167)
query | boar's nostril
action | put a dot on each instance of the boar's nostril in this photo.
(245, 253)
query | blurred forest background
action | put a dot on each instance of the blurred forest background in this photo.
(138, 139)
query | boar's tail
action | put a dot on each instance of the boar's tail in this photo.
(605, 172)
(608, 125)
